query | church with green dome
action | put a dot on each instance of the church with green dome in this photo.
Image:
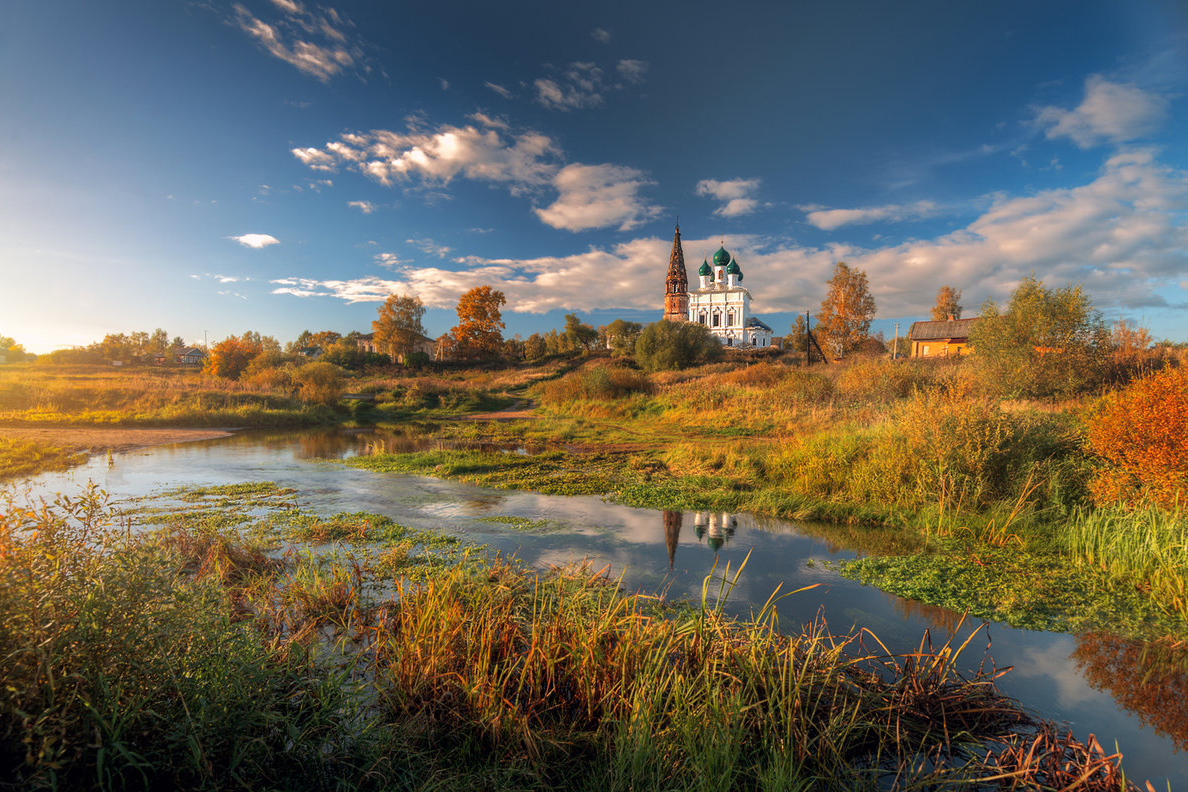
(720, 302)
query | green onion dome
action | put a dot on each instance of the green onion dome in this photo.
(734, 269)
(721, 258)
(705, 269)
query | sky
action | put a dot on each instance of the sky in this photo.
(215, 167)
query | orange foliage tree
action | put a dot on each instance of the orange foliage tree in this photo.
(1141, 434)
(231, 356)
(480, 323)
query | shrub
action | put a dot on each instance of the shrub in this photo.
(1140, 434)
(321, 382)
(595, 383)
(675, 345)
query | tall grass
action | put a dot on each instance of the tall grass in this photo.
(1149, 543)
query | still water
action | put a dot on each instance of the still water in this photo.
(1124, 693)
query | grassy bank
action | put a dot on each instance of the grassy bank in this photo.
(217, 652)
(920, 447)
(26, 457)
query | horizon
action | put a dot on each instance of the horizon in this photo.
(275, 166)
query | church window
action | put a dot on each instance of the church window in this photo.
(701, 317)
(730, 318)
(717, 319)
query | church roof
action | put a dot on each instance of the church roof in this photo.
(678, 278)
(734, 269)
(705, 268)
(753, 322)
(721, 258)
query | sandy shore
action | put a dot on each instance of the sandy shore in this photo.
(96, 440)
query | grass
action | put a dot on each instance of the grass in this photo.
(206, 659)
(26, 457)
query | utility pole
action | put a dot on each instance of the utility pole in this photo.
(205, 345)
(895, 343)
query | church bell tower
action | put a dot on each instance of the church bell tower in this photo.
(676, 286)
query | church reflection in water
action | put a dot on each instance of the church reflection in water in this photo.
(715, 528)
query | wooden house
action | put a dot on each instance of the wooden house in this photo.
(192, 356)
(366, 342)
(948, 338)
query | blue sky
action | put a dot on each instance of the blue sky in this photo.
(275, 165)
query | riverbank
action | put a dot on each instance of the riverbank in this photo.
(392, 660)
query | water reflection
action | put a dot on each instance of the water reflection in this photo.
(715, 527)
(1148, 678)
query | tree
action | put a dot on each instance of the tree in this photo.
(231, 356)
(478, 334)
(948, 303)
(1047, 342)
(579, 337)
(321, 382)
(620, 336)
(399, 325)
(797, 340)
(843, 322)
(675, 345)
(534, 347)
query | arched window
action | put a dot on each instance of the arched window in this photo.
(701, 317)
(730, 318)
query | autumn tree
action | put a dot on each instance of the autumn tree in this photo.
(1046, 342)
(948, 304)
(797, 340)
(843, 322)
(231, 356)
(478, 334)
(399, 326)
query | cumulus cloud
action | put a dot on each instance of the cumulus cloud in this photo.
(597, 196)
(1111, 112)
(736, 195)
(256, 241)
(829, 219)
(389, 260)
(366, 207)
(524, 162)
(1121, 235)
(315, 43)
(601, 35)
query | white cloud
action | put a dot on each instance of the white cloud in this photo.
(445, 84)
(318, 160)
(597, 196)
(527, 162)
(1121, 235)
(1110, 112)
(499, 89)
(389, 260)
(601, 35)
(294, 39)
(736, 195)
(366, 207)
(633, 71)
(829, 219)
(429, 247)
(256, 241)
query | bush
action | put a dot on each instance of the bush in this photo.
(595, 383)
(1140, 434)
(675, 345)
(321, 382)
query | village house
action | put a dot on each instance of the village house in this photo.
(192, 356)
(423, 344)
(948, 338)
(720, 302)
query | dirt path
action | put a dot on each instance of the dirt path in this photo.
(98, 439)
(520, 408)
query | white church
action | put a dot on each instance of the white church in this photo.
(720, 302)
